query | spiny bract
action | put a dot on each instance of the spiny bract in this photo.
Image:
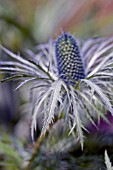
(69, 62)
(54, 71)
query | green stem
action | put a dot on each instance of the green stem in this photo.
(37, 146)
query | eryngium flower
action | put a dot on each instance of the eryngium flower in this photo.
(70, 65)
(77, 97)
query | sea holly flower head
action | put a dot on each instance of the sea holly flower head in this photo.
(70, 65)
(72, 82)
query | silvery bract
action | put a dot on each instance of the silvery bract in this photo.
(74, 79)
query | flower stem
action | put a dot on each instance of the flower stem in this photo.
(37, 146)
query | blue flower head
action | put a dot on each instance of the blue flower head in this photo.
(69, 62)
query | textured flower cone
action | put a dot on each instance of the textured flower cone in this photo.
(70, 66)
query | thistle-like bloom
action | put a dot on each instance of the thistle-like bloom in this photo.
(73, 83)
(70, 65)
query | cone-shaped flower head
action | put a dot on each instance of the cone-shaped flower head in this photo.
(69, 62)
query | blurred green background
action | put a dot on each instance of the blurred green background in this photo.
(25, 23)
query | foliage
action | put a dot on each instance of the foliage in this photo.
(10, 153)
(107, 162)
(54, 154)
